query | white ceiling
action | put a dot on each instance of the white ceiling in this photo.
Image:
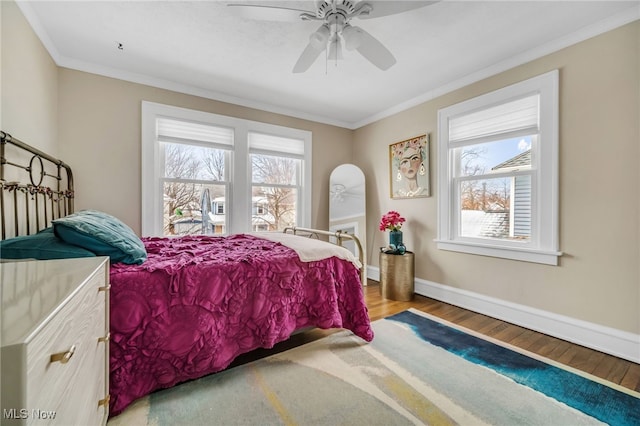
(204, 48)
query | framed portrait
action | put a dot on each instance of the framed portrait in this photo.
(409, 168)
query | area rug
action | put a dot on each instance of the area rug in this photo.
(418, 370)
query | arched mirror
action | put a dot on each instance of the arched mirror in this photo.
(347, 206)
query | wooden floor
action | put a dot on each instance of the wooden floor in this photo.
(616, 370)
(613, 369)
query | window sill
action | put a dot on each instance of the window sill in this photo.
(525, 255)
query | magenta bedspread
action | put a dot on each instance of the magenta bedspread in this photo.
(198, 302)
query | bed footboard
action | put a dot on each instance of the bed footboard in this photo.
(340, 237)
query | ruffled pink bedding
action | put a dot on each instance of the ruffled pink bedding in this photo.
(198, 302)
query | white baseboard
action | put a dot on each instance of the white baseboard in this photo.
(609, 340)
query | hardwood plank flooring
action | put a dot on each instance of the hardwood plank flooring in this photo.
(608, 367)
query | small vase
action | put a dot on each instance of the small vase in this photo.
(395, 238)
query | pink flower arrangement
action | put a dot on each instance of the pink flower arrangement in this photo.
(392, 221)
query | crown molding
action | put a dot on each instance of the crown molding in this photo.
(627, 16)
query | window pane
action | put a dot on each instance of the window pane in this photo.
(274, 208)
(193, 209)
(273, 169)
(485, 158)
(496, 208)
(193, 162)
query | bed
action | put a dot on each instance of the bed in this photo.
(182, 308)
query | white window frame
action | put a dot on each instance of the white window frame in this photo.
(240, 186)
(544, 242)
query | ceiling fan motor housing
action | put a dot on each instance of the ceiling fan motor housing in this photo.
(345, 7)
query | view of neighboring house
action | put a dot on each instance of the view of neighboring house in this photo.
(519, 219)
(191, 222)
(508, 220)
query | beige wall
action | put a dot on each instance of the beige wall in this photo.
(97, 131)
(100, 121)
(93, 124)
(29, 108)
(598, 278)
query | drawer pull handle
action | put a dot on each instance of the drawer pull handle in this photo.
(63, 357)
(105, 338)
(105, 288)
(104, 401)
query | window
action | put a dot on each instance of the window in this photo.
(193, 170)
(204, 173)
(498, 173)
(259, 209)
(276, 167)
(218, 207)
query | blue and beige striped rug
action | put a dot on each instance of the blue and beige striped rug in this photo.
(417, 370)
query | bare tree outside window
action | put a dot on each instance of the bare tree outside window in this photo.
(202, 173)
(470, 193)
(214, 165)
(188, 171)
(481, 194)
(274, 180)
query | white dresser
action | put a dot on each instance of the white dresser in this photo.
(55, 342)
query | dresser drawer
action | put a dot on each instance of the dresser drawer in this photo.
(70, 388)
(64, 360)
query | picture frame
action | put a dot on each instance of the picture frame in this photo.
(409, 169)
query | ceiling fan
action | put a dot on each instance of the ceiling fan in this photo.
(339, 191)
(335, 17)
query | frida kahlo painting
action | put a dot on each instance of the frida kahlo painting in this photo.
(409, 168)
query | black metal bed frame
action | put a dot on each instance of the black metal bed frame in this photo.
(36, 190)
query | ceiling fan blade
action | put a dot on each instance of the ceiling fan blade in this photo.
(386, 8)
(266, 12)
(375, 51)
(308, 57)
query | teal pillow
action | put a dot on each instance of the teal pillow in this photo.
(42, 246)
(102, 234)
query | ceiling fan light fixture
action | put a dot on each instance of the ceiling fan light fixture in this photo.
(335, 17)
(338, 191)
(319, 39)
(352, 37)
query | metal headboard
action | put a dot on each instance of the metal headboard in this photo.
(35, 188)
